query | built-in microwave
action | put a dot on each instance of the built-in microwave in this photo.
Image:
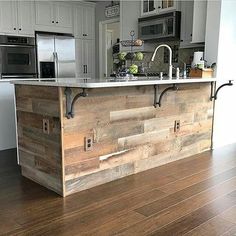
(160, 27)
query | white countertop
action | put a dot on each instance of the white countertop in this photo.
(111, 82)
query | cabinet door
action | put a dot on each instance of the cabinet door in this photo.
(78, 22)
(79, 58)
(148, 7)
(88, 57)
(85, 58)
(44, 13)
(186, 23)
(89, 22)
(8, 17)
(63, 14)
(199, 21)
(25, 14)
(84, 22)
(166, 5)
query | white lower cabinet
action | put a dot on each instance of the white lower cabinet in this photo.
(85, 58)
(7, 116)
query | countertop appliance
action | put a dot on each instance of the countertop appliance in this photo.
(17, 57)
(55, 55)
(160, 27)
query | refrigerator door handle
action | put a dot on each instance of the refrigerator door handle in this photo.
(55, 63)
(84, 69)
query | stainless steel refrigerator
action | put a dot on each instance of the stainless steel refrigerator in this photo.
(55, 56)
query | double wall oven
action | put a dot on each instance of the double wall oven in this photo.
(17, 57)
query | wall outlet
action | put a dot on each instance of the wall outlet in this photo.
(177, 125)
(46, 128)
(88, 143)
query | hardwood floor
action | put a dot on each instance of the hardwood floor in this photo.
(193, 196)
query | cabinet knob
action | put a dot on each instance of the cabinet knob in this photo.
(85, 35)
(56, 22)
(53, 21)
(20, 29)
(159, 7)
(14, 28)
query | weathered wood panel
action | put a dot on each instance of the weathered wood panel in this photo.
(101, 177)
(128, 131)
(129, 135)
(40, 153)
(37, 99)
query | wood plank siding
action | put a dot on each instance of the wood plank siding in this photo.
(129, 135)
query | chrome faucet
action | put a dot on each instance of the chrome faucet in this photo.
(170, 58)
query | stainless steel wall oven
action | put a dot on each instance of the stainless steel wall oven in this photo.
(17, 57)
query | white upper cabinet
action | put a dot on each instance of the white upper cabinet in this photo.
(8, 17)
(84, 21)
(63, 15)
(53, 16)
(44, 14)
(17, 17)
(199, 21)
(186, 23)
(151, 7)
(167, 5)
(25, 17)
(148, 7)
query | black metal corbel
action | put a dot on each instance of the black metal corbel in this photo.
(70, 103)
(173, 87)
(216, 92)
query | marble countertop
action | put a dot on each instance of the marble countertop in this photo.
(110, 82)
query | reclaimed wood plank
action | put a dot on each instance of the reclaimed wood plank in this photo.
(94, 179)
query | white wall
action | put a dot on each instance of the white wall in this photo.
(99, 16)
(129, 14)
(224, 53)
(7, 116)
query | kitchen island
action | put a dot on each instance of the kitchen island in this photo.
(74, 134)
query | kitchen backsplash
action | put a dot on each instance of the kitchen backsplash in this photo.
(161, 61)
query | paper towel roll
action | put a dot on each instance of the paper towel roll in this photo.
(197, 57)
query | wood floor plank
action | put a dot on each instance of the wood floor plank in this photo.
(181, 209)
(29, 209)
(231, 232)
(115, 225)
(93, 216)
(196, 218)
(198, 177)
(161, 204)
(214, 227)
(230, 215)
(7, 225)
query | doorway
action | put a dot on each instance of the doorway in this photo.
(109, 34)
